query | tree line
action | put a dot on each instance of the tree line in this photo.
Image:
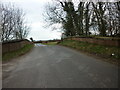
(12, 23)
(86, 18)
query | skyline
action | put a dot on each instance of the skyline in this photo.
(34, 10)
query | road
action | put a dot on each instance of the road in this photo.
(58, 67)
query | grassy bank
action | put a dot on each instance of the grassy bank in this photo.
(102, 51)
(13, 54)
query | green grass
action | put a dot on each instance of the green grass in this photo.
(50, 43)
(104, 51)
(13, 54)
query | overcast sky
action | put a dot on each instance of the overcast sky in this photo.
(34, 10)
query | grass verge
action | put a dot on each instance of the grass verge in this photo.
(50, 43)
(111, 53)
(13, 54)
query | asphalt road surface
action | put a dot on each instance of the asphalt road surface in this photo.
(58, 67)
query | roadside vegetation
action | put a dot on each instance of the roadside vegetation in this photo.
(109, 38)
(13, 54)
(111, 53)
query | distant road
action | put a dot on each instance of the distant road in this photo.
(58, 67)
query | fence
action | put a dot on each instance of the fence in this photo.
(14, 45)
(105, 42)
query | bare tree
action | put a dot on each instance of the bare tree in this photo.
(99, 10)
(87, 18)
(12, 23)
(80, 17)
(22, 29)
